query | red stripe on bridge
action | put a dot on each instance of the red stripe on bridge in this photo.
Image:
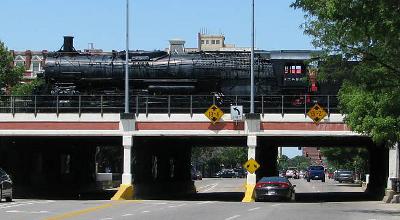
(59, 125)
(304, 126)
(189, 126)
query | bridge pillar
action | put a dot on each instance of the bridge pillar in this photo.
(251, 177)
(125, 191)
(127, 125)
(393, 172)
(252, 127)
(127, 175)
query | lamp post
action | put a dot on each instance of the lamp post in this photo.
(252, 61)
(127, 60)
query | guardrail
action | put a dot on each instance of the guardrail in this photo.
(166, 104)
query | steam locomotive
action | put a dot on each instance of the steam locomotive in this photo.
(69, 72)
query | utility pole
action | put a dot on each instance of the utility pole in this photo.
(252, 61)
(127, 60)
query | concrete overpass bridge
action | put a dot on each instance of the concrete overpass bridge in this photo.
(53, 140)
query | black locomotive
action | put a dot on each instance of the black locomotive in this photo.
(69, 72)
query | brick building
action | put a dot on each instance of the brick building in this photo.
(33, 61)
(315, 155)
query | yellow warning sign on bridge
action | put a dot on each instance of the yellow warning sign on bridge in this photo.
(317, 113)
(251, 165)
(214, 114)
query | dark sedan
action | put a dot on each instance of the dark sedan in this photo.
(5, 186)
(345, 176)
(274, 188)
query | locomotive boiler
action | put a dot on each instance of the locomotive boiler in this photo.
(69, 72)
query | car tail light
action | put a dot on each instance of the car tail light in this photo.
(274, 184)
(283, 185)
(261, 185)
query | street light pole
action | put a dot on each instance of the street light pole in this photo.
(127, 60)
(252, 61)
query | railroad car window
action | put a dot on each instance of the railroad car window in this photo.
(212, 41)
(217, 42)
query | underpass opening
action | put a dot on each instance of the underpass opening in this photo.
(56, 167)
(361, 155)
(176, 168)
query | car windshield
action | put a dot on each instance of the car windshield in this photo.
(274, 179)
(316, 168)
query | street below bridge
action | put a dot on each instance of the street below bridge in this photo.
(216, 199)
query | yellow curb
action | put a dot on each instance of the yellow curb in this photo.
(125, 192)
(249, 195)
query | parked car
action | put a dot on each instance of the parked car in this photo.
(226, 173)
(316, 173)
(274, 188)
(240, 172)
(196, 175)
(6, 191)
(345, 176)
(336, 174)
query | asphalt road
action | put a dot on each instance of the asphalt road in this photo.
(201, 208)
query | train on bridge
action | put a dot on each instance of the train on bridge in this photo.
(70, 72)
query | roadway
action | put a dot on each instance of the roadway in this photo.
(206, 206)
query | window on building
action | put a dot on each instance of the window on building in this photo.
(212, 41)
(20, 63)
(202, 41)
(207, 42)
(35, 66)
(217, 41)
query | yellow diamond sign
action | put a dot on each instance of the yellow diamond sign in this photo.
(214, 114)
(251, 165)
(317, 113)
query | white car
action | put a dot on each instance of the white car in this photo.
(290, 174)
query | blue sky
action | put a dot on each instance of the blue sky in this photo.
(40, 24)
(291, 152)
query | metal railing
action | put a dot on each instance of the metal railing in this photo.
(164, 104)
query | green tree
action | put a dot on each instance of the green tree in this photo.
(26, 89)
(9, 75)
(360, 40)
(355, 159)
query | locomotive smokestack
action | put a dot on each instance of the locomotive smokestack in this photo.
(68, 46)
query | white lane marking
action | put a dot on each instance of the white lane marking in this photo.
(28, 202)
(233, 217)
(17, 211)
(158, 203)
(274, 205)
(175, 206)
(106, 218)
(205, 186)
(211, 187)
(206, 202)
(145, 211)
(253, 209)
(127, 215)
(16, 205)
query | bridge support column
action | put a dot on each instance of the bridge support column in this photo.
(393, 173)
(125, 191)
(251, 177)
